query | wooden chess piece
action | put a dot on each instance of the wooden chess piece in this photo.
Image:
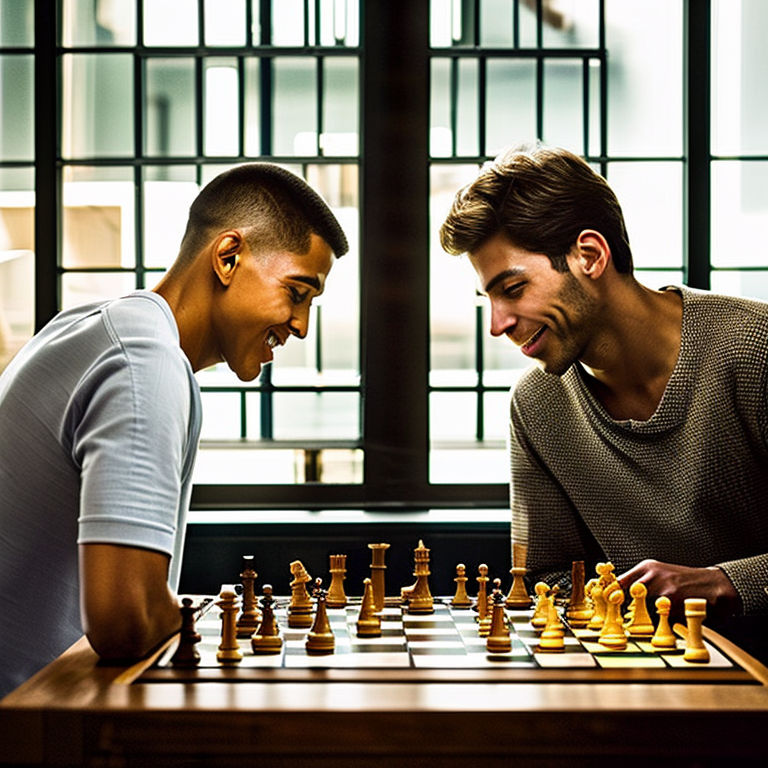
(579, 611)
(419, 597)
(664, 638)
(336, 598)
(368, 621)
(481, 605)
(186, 654)
(553, 636)
(461, 598)
(249, 616)
(518, 597)
(613, 635)
(695, 613)
(498, 639)
(378, 585)
(541, 611)
(320, 639)
(598, 615)
(300, 607)
(266, 638)
(229, 649)
(639, 624)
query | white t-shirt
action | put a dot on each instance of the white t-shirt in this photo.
(99, 425)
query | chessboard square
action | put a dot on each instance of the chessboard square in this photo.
(441, 646)
(646, 646)
(261, 660)
(419, 622)
(347, 661)
(564, 660)
(630, 661)
(419, 633)
(598, 648)
(716, 659)
(380, 643)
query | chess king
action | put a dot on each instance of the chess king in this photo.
(639, 433)
(100, 415)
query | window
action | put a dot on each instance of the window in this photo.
(398, 398)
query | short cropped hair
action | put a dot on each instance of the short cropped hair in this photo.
(541, 198)
(274, 208)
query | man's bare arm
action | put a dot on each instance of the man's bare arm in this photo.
(125, 603)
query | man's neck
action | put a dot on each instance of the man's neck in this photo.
(633, 355)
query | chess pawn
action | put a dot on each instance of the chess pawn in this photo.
(266, 638)
(640, 623)
(598, 616)
(320, 639)
(541, 612)
(378, 568)
(249, 616)
(578, 612)
(368, 621)
(695, 613)
(186, 654)
(518, 596)
(229, 649)
(336, 598)
(300, 608)
(664, 637)
(612, 635)
(553, 636)
(461, 598)
(498, 640)
(483, 614)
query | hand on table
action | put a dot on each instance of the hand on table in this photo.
(678, 582)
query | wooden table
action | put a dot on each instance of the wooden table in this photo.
(76, 712)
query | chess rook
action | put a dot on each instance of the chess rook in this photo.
(378, 585)
(695, 613)
(336, 598)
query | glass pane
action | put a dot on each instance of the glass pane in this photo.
(288, 22)
(17, 22)
(295, 111)
(97, 109)
(646, 94)
(252, 107)
(339, 22)
(220, 466)
(595, 100)
(440, 18)
(440, 131)
(221, 419)
(168, 193)
(739, 73)
(510, 104)
(169, 119)
(340, 107)
(564, 104)
(170, 22)
(225, 22)
(751, 284)
(496, 415)
(739, 213)
(85, 22)
(467, 128)
(472, 465)
(571, 24)
(16, 108)
(98, 224)
(88, 288)
(497, 23)
(453, 416)
(326, 415)
(17, 260)
(651, 197)
(222, 113)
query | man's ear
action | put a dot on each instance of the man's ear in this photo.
(591, 253)
(226, 255)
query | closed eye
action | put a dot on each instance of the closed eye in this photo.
(513, 290)
(297, 296)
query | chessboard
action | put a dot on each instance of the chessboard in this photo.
(443, 645)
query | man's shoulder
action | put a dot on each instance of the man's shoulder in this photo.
(542, 391)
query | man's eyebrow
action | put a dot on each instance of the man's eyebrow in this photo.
(513, 272)
(312, 282)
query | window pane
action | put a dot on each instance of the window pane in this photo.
(646, 96)
(453, 416)
(564, 104)
(225, 22)
(288, 22)
(222, 416)
(85, 22)
(496, 415)
(169, 118)
(97, 109)
(170, 22)
(17, 260)
(477, 464)
(222, 108)
(510, 103)
(98, 218)
(259, 466)
(314, 416)
(651, 198)
(168, 193)
(497, 23)
(466, 108)
(339, 22)
(340, 107)
(440, 132)
(739, 72)
(17, 22)
(295, 99)
(16, 108)
(253, 116)
(595, 99)
(79, 289)
(739, 213)
(752, 283)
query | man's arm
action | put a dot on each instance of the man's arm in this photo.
(126, 605)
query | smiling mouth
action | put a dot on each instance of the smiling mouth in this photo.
(533, 339)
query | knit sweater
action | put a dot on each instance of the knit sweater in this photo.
(688, 486)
